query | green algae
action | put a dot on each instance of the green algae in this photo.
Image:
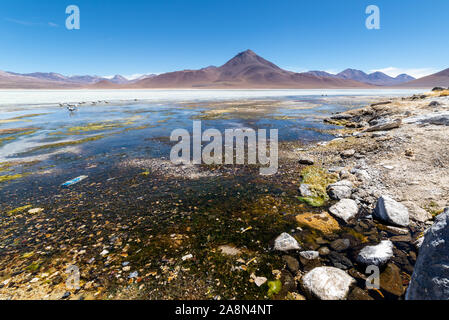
(7, 178)
(90, 127)
(317, 179)
(274, 287)
(66, 144)
(17, 210)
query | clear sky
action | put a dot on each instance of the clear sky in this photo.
(156, 36)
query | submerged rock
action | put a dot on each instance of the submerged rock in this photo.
(345, 209)
(327, 283)
(391, 281)
(430, 280)
(340, 244)
(292, 263)
(319, 221)
(376, 255)
(286, 242)
(391, 211)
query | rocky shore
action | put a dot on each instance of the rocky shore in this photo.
(390, 170)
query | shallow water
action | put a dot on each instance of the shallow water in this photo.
(134, 196)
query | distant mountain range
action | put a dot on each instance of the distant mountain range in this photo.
(245, 70)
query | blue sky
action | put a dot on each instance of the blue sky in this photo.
(155, 36)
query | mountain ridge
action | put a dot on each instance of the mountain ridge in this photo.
(246, 70)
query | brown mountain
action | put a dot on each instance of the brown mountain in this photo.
(439, 79)
(16, 81)
(246, 70)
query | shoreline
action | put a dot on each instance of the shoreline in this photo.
(183, 95)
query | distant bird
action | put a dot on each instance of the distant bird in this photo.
(72, 107)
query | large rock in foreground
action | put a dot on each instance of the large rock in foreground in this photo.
(327, 283)
(430, 280)
(392, 212)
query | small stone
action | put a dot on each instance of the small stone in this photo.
(345, 209)
(327, 283)
(286, 242)
(229, 250)
(340, 244)
(104, 252)
(66, 295)
(358, 294)
(309, 255)
(292, 263)
(340, 261)
(133, 275)
(35, 211)
(324, 251)
(306, 161)
(348, 153)
(376, 255)
(187, 257)
(260, 281)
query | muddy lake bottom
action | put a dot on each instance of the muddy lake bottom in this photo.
(139, 227)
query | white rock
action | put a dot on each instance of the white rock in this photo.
(345, 209)
(259, 281)
(310, 255)
(392, 212)
(104, 252)
(327, 283)
(376, 255)
(286, 242)
(187, 257)
(35, 210)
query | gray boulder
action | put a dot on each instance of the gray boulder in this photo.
(430, 280)
(384, 125)
(345, 209)
(340, 190)
(376, 255)
(327, 283)
(436, 118)
(391, 211)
